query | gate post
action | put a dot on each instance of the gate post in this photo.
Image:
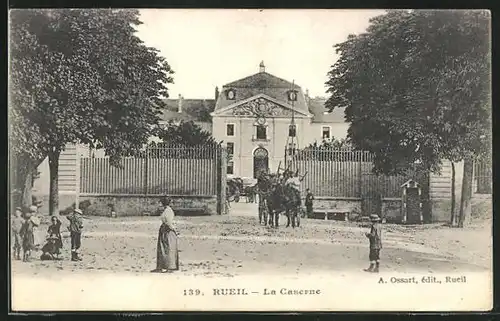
(145, 178)
(221, 164)
(77, 177)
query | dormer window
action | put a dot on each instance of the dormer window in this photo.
(231, 94)
(292, 95)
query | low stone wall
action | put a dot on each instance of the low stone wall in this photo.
(131, 205)
(353, 204)
(391, 210)
(65, 200)
(441, 209)
(481, 206)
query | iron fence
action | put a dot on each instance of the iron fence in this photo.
(174, 170)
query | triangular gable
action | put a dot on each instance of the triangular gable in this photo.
(260, 105)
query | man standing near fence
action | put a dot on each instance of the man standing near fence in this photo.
(309, 203)
(75, 228)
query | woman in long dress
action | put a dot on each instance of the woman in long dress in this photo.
(167, 252)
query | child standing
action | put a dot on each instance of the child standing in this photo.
(375, 237)
(17, 223)
(54, 233)
(75, 229)
(27, 233)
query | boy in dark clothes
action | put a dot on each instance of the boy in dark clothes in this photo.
(75, 229)
(375, 237)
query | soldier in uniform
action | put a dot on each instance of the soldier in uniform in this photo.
(293, 181)
(309, 202)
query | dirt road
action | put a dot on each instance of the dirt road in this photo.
(236, 245)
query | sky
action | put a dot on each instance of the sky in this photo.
(209, 48)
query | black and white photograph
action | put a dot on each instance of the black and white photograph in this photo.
(250, 160)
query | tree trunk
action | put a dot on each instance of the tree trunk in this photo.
(54, 182)
(453, 201)
(27, 198)
(23, 172)
(465, 202)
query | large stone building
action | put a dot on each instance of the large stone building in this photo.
(253, 116)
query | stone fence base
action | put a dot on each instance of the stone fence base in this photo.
(139, 205)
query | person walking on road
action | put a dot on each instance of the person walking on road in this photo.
(75, 228)
(167, 251)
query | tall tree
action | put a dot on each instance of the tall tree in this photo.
(184, 133)
(82, 76)
(416, 87)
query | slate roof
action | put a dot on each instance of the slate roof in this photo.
(197, 110)
(317, 108)
(261, 83)
(261, 80)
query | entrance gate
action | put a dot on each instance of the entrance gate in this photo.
(260, 161)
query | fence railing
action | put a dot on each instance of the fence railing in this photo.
(345, 174)
(483, 175)
(156, 171)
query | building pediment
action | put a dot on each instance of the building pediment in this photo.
(260, 106)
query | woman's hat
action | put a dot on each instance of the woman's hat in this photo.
(374, 218)
(33, 208)
(19, 209)
(77, 210)
(52, 237)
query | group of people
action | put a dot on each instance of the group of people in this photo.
(25, 235)
(24, 227)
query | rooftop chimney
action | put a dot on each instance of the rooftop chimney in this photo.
(262, 68)
(216, 93)
(179, 109)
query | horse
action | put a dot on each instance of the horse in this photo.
(234, 188)
(279, 198)
(250, 192)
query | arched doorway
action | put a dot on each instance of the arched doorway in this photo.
(260, 161)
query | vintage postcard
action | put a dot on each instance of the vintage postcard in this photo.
(250, 160)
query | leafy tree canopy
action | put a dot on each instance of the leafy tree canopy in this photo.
(184, 134)
(82, 76)
(417, 87)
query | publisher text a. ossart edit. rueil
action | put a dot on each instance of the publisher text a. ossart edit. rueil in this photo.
(425, 279)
